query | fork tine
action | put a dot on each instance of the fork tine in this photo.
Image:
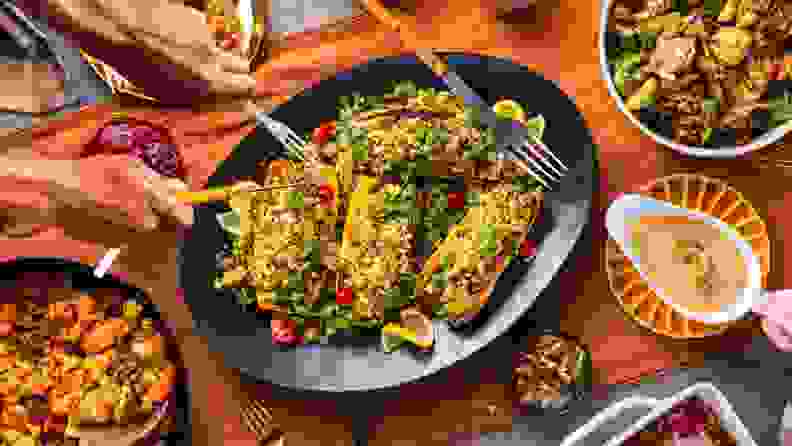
(536, 176)
(534, 150)
(295, 136)
(546, 149)
(533, 163)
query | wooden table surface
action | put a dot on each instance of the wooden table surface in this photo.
(563, 48)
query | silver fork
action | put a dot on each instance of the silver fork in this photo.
(293, 143)
(539, 157)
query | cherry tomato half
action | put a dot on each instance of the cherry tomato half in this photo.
(528, 248)
(326, 195)
(323, 133)
(456, 200)
(344, 296)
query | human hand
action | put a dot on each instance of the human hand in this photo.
(111, 201)
(162, 47)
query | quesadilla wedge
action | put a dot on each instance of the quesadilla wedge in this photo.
(287, 239)
(463, 270)
(376, 261)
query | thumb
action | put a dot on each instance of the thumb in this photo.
(161, 194)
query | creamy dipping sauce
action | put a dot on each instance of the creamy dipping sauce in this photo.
(695, 264)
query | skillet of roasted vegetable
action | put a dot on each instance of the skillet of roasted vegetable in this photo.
(399, 165)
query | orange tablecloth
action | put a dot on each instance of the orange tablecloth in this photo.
(565, 50)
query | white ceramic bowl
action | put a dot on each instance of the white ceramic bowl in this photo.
(629, 208)
(705, 391)
(774, 135)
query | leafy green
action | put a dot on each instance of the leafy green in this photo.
(536, 126)
(246, 296)
(393, 299)
(489, 246)
(391, 343)
(440, 311)
(407, 284)
(711, 104)
(440, 280)
(630, 42)
(312, 253)
(627, 67)
(780, 109)
(681, 6)
(484, 149)
(706, 135)
(583, 368)
(712, 8)
(525, 183)
(647, 40)
(406, 88)
(427, 92)
(397, 297)
(230, 222)
(296, 200)
(472, 117)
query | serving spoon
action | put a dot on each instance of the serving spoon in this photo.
(774, 306)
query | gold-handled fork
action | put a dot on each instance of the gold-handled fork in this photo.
(258, 420)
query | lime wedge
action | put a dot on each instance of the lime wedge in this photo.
(508, 109)
(230, 222)
(392, 330)
(391, 342)
(536, 126)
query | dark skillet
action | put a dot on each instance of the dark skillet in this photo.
(244, 337)
(44, 272)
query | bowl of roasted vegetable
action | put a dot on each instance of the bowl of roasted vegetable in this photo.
(706, 78)
(82, 359)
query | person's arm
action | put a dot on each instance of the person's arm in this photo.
(216, 392)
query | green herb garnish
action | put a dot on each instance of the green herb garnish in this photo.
(471, 117)
(296, 200)
(630, 42)
(489, 246)
(706, 135)
(711, 105)
(780, 109)
(626, 68)
(681, 6)
(405, 89)
(648, 40)
(246, 296)
(712, 8)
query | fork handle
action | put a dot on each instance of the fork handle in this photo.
(204, 196)
(407, 36)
